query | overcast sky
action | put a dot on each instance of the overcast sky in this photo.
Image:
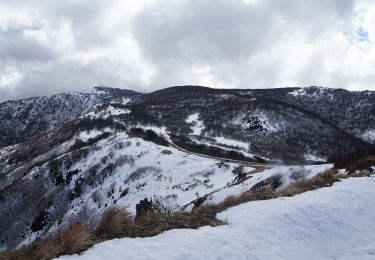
(53, 46)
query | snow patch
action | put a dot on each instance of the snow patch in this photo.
(266, 124)
(125, 100)
(231, 142)
(197, 125)
(369, 135)
(245, 153)
(98, 91)
(313, 91)
(314, 158)
(117, 111)
(86, 135)
(298, 92)
(107, 112)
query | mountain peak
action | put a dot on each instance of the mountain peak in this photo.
(114, 91)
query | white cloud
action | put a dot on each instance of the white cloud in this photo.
(9, 76)
(46, 47)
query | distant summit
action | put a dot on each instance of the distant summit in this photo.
(115, 91)
(21, 119)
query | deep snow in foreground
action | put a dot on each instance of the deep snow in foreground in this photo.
(330, 223)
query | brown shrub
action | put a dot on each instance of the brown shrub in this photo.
(76, 239)
(323, 179)
(166, 152)
(362, 173)
(206, 215)
(296, 188)
(265, 193)
(14, 255)
(327, 178)
(228, 202)
(268, 192)
(40, 249)
(46, 248)
(155, 223)
(116, 222)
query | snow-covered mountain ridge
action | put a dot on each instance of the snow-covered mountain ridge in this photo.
(273, 122)
(21, 119)
(174, 146)
(113, 165)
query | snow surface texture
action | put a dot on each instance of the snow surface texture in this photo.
(329, 223)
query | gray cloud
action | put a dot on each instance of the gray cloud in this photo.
(14, 46)
(213, 30)
(47, 47)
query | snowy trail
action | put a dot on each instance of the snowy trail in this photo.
(330, 223)
(221, 158)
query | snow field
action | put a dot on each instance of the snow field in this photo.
(330, 223)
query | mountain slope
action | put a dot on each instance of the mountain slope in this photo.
(175, 145)
(285, 228)
(352, 111)
(109, 157)
(266, 120)
(24, 118)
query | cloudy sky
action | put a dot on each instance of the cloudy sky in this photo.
(52, 46)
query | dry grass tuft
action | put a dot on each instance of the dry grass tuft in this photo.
(265, 193)
(228, 202)
(46, 248)
(323, 179)
(155, 223)
(361, 173)
(116, 222)
(14, 255)
(76, 238)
